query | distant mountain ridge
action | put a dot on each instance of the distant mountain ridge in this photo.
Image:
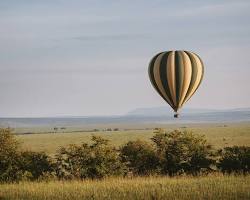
(167, 111)
(140, 117)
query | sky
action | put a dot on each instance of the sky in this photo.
(90, 57)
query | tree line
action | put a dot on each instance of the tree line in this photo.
(168, 153)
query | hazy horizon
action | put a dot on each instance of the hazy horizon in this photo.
(83, 58)
(167, 109)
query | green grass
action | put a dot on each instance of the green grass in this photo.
(219, 135)
(185, 188)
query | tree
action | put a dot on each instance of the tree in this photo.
(182, 152)
(140, 157)
(96, 160)
(36, 163)
(9, 156)
(234, 159)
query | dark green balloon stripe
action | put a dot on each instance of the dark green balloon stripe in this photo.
(194, 74)
(151, 76)
(179, 75)
(202, 74)
(163, 77)
(151, 72)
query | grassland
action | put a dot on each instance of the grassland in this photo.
(219, 135)
(214, 186)
(185, 188)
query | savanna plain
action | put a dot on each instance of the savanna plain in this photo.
(212, 186)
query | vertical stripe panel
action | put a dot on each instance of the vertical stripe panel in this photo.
(198, 77)
(151, 74)
(163, 76)
(171, 76)
(157, 78)
(187, 76)
(179, 75)
(194, 74)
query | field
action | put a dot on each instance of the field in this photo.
(213, 186)
(219, 135)
(153, 188)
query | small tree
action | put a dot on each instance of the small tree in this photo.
(9, 157)
(182, 152)
(97, 160)
(140, 157)
(234, 159)
(36, 163)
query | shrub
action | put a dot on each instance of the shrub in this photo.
(171, 153)
(140, 157)
(182, 152)
(9, 157)
(16, 165)
(234, 159)
(36, 163)
(97, 160)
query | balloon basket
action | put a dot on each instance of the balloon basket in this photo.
(176, 115)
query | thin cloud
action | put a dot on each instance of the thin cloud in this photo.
(118, 37)
(214, 10)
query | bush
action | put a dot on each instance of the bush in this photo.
(97, 160)
(35, 163)
(234, 159)
(140, 157)
(16, 165)
(9, 157)
(182, 152)
(171, 153)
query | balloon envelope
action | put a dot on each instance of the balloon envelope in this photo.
(176, 75)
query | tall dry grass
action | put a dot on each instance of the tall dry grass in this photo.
(186, 188)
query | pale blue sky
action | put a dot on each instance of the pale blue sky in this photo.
(61, 57)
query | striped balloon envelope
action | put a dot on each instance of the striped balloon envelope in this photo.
(176, 75)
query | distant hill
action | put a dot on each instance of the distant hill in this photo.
(138, 118)
(167, 111)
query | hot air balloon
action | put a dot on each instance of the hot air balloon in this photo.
(176, 75)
